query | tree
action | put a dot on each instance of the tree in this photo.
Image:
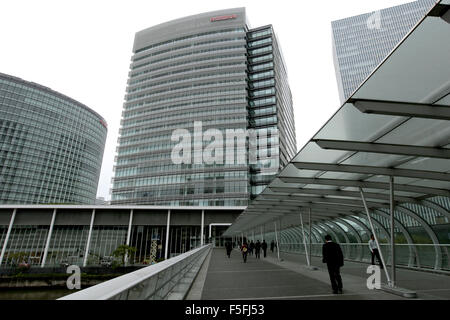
(123, 251)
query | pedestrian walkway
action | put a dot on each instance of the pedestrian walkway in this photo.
(268, 278)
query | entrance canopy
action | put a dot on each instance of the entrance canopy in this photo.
(396, 124)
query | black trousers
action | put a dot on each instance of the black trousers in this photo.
(335, 277)
(244, 256)
(376, 253)
(265, 253)
(257, 254)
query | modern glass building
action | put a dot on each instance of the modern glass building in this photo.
(206, 75)
(361, 42)
(51, 146)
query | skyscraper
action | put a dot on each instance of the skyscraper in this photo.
(204, 74)
(51, 146)
(361, 42)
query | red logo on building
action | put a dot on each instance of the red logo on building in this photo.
(220, 18)
(103, 122)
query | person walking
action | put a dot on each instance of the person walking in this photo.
(264, 248)
(333, 257)
(228, 247)
(244, 249)
(374, 250)
(272, 245)
(258, 250)
(251, 247)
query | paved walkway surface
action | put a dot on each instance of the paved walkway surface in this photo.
(269, 278)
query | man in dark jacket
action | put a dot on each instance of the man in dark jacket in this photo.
(257, 249)
(264, 247)
(333, 257)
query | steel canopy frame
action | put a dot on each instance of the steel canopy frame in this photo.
(378, 133)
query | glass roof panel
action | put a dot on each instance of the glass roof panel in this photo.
(432, 164)
(351, 124)
(375, 159)
(291, 171)
(420, 132)
(417, 70)
(313, 153)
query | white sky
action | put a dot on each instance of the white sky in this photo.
(83, 49)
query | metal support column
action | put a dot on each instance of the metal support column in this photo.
(391, 189)
(304, 241)
(129, 234)
(310, 232)
(261, 231)
(166, 250)
(276, 239)
(5, 243)
(374, 234)
(202, 239)
(49, 236)
(88, 243)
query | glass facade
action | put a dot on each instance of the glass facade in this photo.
(361, 43)
(218, 73)
(270, 107)
(51, 146)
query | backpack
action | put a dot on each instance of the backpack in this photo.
(244, 249)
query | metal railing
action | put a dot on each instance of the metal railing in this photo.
(169, 279)
(411, 255)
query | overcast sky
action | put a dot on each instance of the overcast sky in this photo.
(83, 50)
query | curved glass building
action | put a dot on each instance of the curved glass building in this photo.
(51, 146)
(203, 74)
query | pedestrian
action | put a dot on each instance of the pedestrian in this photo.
(251, 247)
(272, 245)
(228, 247)
(258, 250)
(244, 249)
(264, 248)
(374, 250)
(333, 257)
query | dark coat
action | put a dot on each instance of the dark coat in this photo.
(332, 254)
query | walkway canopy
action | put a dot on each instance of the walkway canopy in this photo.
(394, 126)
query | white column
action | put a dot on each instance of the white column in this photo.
(310, 233)
(166, 253)
(253, 235)
(374, 235)
(129, 234)
(304, 241)
(5, 243)
(47, 244)
(261, 230)
(88, 243)
(391, 189)
(202, 242)
(276, 239)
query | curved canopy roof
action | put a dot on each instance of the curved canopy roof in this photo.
(396, 124)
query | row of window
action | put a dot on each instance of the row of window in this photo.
(186, 46)
(184, 54)
(178, 178)
(230, 120)
(198, 35)
(184, 97)
(191, 85)
(197, 113)
(199, 104)
(131, 88)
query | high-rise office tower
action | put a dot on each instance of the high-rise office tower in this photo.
(51, 146)
(360, 43)
(203, 80)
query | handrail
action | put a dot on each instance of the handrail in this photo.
(123, 284)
